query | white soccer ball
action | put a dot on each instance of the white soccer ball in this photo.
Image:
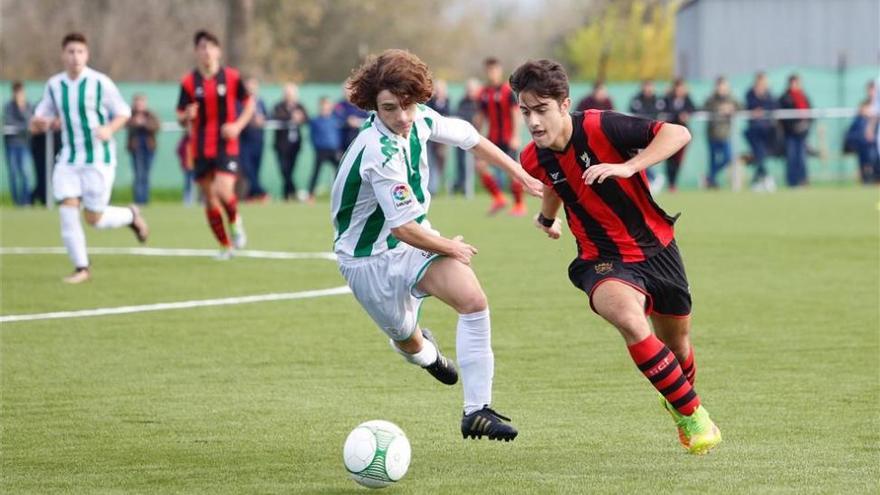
(376, 454)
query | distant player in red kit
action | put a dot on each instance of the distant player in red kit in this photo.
(498, 113)
(209, 98)
(627, 260)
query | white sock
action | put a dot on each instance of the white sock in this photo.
(473, 347)
(115, 217)
(73, 236)
(425, 357)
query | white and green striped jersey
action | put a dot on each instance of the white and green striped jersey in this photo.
(83, 105)
(383, 181)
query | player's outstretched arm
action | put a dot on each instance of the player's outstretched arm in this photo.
(667, 142)
(415, 235)
(487, 151)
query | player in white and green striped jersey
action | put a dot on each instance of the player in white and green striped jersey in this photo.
(90, 109)
(388, 252)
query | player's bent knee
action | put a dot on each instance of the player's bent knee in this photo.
(475, 303)
(92, 218)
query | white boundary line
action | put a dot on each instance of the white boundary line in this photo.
(285, 296)
(144, 251)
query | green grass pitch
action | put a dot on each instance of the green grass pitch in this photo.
(258, 398)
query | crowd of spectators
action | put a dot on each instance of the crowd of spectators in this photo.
(335, 126)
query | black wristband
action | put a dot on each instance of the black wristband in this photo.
(546, 222)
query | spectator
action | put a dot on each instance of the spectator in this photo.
(646, 104)
(721, 107)
(351, 118)
(678, 111)
(795, 131)
(326, 140)
(290, 114)
(440, 103)
(468, 109)
(860, 140)
(186, 165)
(251, 140)
(16, 115)
(38, 152)
(872, 131)
(761, 131)
(597, 100)
(874, 123)
(142, 128)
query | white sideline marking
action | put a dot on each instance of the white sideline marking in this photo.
(285, 296)
(145, 251)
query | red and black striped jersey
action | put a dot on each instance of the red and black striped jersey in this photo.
(615, 220)
(218, 98)
(498, 104)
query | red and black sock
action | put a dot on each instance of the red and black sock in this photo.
(517, 190)
(490, 184)
(215, 221)
(689, 366)
(660, 366)
(231, 207)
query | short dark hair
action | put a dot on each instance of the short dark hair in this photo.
(204, 34)
(794, 77)
(490, 61)
(399, 71)
(546, 78)
(17, 86)
(73, 38)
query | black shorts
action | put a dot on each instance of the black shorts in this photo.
(660, 278)
(205, 167)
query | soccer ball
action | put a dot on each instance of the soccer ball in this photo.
(376, 454)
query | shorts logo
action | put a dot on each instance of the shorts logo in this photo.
(401, 196)
(604, 268)
(555, 177)
(233, 166)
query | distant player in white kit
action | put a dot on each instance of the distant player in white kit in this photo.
(90, 109)
(388, 252)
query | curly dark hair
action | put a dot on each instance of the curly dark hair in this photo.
(398, 71)
(545, 78)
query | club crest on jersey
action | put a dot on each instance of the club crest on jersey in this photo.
(604, 268)
(585, 158)
(401, 196)
(221, 89)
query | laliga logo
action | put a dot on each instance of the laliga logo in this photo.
(400, 192)
(401, 196)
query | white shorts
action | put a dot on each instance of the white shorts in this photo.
(92, 183)
(385, 285)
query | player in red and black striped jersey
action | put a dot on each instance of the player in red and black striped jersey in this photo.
(627, 262)
(209, 98)
(498, 111)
